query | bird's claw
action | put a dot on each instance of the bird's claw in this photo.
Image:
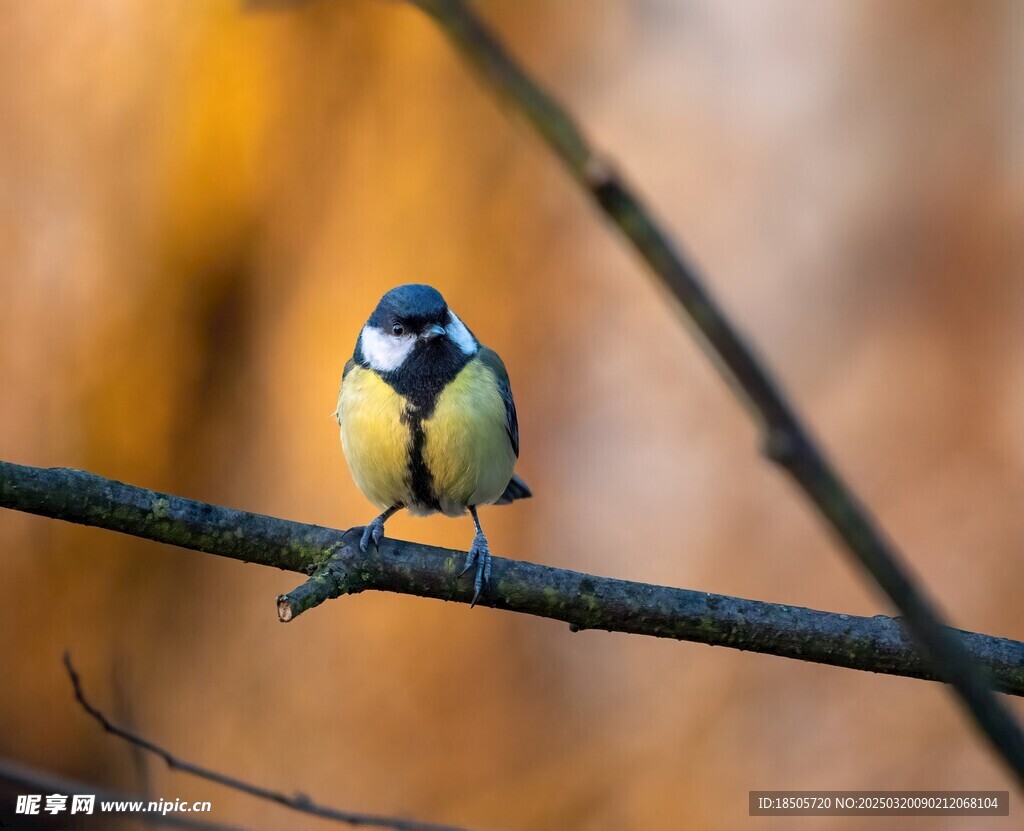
(374, 532)
(480, 555)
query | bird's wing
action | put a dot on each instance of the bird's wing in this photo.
(348, 368)
(490, 359)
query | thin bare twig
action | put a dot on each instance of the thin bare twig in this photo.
(584, 601)
(786, 441)
(297, 802)
(45, 783)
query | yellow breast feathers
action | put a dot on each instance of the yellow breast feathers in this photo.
(375, 437)
(466, 448)
(462, 444)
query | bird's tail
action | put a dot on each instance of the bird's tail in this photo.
(516, 489)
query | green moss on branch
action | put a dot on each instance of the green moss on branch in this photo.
(336, 567)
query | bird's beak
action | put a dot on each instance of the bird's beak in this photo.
(432, 332)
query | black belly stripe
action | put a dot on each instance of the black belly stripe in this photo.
(430, 367)
(420, 480)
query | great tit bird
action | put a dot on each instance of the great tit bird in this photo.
(427, 418)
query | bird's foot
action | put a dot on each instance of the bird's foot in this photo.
(374, 532)
(480, 555)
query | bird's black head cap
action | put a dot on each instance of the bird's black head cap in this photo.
(412, 305)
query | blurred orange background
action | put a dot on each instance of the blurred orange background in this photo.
(202, 203)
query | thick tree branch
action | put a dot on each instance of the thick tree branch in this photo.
(296, 802)
(875, 644)
(786, 440)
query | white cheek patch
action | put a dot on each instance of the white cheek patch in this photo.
(383, 352)
(460, 335)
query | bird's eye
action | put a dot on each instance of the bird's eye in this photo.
(397, 329)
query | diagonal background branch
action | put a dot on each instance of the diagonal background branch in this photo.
(297, 802)
(876, 644)
(786, 440)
